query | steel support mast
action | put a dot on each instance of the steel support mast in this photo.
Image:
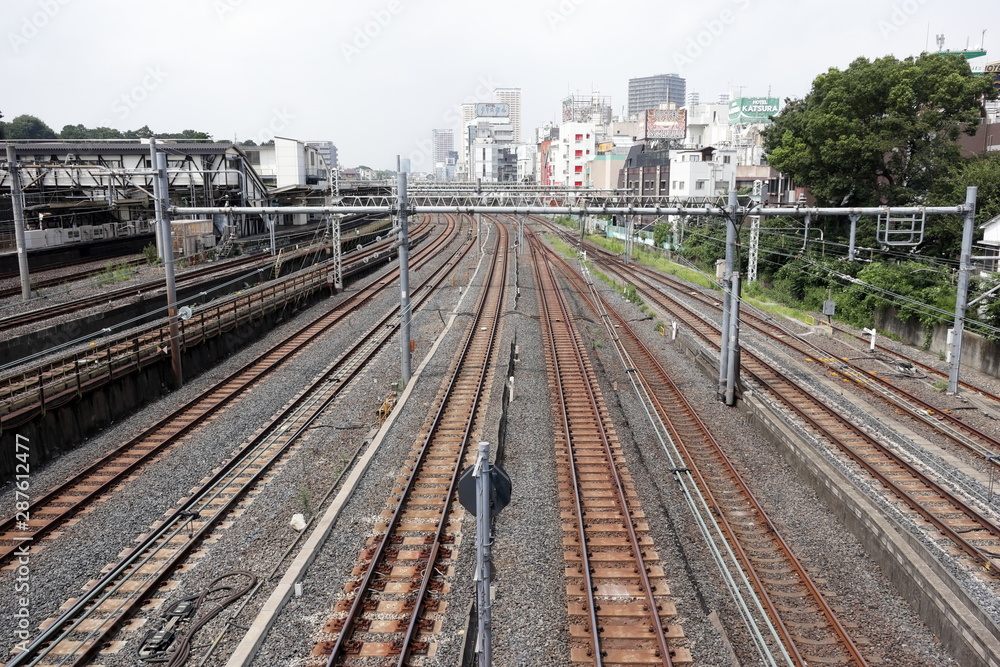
(18, 208)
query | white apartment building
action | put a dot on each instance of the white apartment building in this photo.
(492, 152)
(526, 158)
(572, 153)
(707, 125)
(290, 163)
(705, 172)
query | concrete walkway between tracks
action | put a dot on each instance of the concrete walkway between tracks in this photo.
(254, 638)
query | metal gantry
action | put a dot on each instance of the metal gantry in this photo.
(541, 200)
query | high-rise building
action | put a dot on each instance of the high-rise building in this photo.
(327, 149)
(442, 154)
(511, 96)
(649, 92)
(442, 143)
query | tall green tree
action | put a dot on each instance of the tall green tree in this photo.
(29, 127)
(881, 131)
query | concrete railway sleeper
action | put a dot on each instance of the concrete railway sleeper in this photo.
(91, 620)
(25, 394)
(617, 595)
(390, 609)
(58, 505)
(806, 624)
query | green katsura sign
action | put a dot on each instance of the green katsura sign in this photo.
(752, 110)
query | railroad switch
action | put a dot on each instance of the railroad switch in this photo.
(157, 643)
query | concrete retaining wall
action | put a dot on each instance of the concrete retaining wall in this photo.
(968, 633)
(63, 428)
(977, 352)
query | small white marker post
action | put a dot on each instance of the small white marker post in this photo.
(870, 332)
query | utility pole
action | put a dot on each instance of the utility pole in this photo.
(18, 205)
(403, 203)
(484, 519)
(157, 202)
(162, 194)
(727, 295)
(961, 299)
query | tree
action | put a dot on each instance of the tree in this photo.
(881, 131)
(661, 232)
(29, 127)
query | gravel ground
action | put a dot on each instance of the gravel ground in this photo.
(529, 606)
(127, 512)
(891, 630)
(302, 619)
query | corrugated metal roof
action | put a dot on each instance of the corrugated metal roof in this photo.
(121, 148)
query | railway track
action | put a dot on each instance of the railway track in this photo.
(931, 416)
(39, 283)
(42, 314)
(58, 505)
(26, 393)
(618, 597)
(938, 419)
(90, 622)
(803, 621)
(390, 609)
(948, 516)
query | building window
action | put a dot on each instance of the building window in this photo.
(673, 184)
(725, 159)
(578, 169)
(577, 184)
(699, 185)
(680, 185)
(579, 153)
(579, 137)
(663, 185)
(253, 157)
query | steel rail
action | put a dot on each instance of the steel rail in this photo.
(323, 391)
(361, 591)
(180, 422)
(548, 286)
(645, 372)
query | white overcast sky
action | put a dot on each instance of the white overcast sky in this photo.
(375, 76)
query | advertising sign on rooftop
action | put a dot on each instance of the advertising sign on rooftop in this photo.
(992, 70)
(664, 123)
(752, 110)
(492, 110)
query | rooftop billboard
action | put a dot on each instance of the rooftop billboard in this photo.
(493, 110)
(664, 123)
(752, 110)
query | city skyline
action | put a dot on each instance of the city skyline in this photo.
(378, 100)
